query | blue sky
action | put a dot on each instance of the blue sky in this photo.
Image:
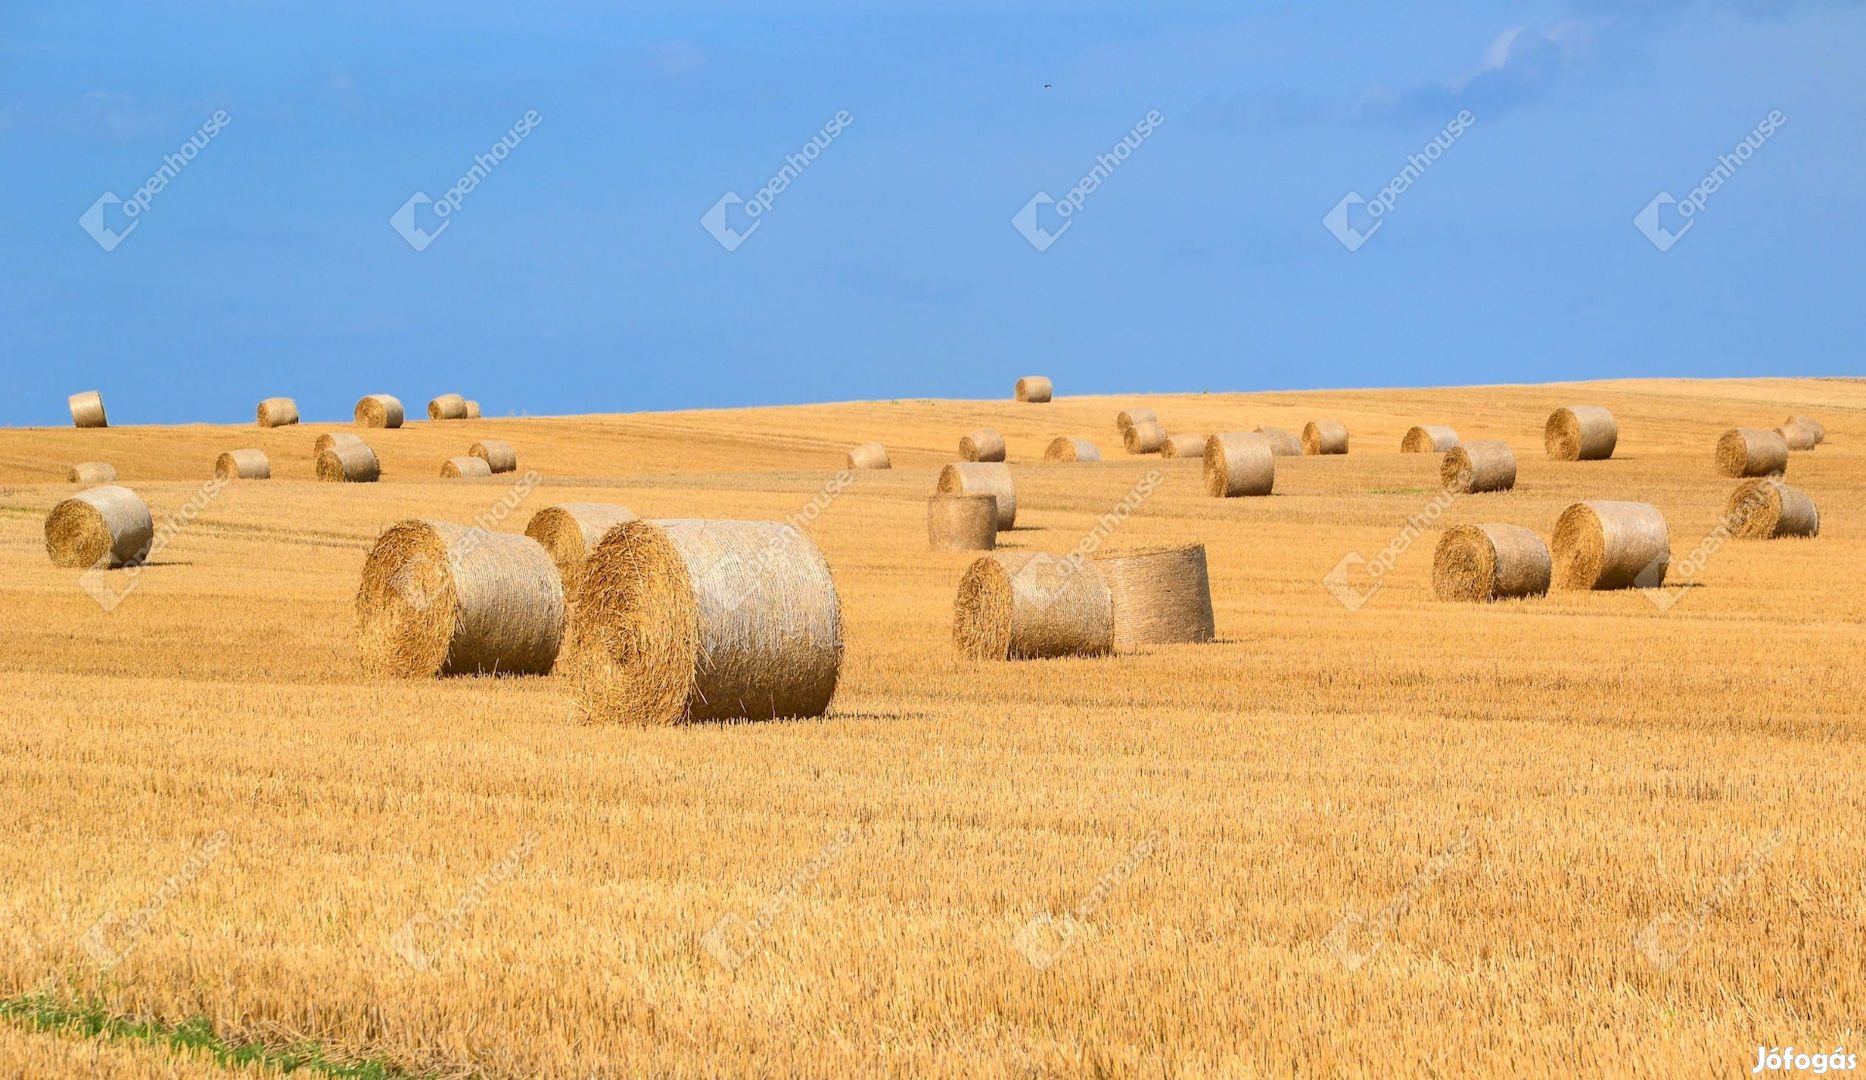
(578, 277)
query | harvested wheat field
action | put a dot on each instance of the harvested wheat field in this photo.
(1364, 832)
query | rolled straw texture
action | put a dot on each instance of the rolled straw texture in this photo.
(277, 412)
(465, 466)
(869, 455)
(1820, 430)
(1238, 463)
(92, 472)
(982, 445)
(1028, 606)
(103, 527)
(353, 463)
(1751, 452)
(498, 456)
(246, 464)
(570, 531)
(1490, 562)
(1580, 433)
(1767, 508)
(983, 478)
(325, 442)
(447, 407)
(1127, 418)
(1611, 545)
(1324, 437)
(379, 411)
(1145, 437)
(1187, 444)
(962, 522)
(1428, 439)
(87, 409)
(1159, 595)
(1478, 466)
(472, 409)
(1064, 448)
(1798, 436)
(1035, 389)
(1282, 443)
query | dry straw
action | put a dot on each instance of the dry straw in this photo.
(1127, 418)
(962, 522)
(570, 531)
(498, 456)
(1324, 437)
(1035, 389)
(1478, 466)
(379, 411)
(87, 409)
(246, 464)
(983, 478)
(472, 410)
(1145, 437)
(1798, 436)
(1187, 444)
(325, 442)
(1580, 433)
(277, 412)
(1428, 439)
(1159, 595)
(1028, 606)
(1751, 452)
(92, 472)
(353, 463)
(1282, 443)
(1820, 431)
(706, 620)
(1490, 562)
(869, 455)
(1065, 448)
(1611, 545)
(1238, 463)
(447, 407)
(1766, 509)
(102, 527)
(455, 467)
(445, 599)
(982, 445)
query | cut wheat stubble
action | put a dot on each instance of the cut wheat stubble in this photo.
(983, 478)
(1490, 562)
(1580, 433)
(1610, 545)
(1767, 509)
(104, 527)
(1028, 606)
(1743, 452)
(1481, 465)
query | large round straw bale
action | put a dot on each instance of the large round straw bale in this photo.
(465, 466)
(1145, 437)
(1186, 444)
(983, 478)
(1820, 431)
(1282, 443)
(1127, 418)
(353, 463)
(379, 411)
(1034, 388)
(1751, 452)
(87, 409)
(1490, 562)
(445, 599)
(92, 472)
(1611, 545)
(962, 522)
(447, 407)
(1159, 595)
(499, 456)
(1767, 508)
(1324, 437)
(101, 527)
(1238, 463)
(246, 464)
(1580, 433)
(472, 409)
(1028, 606)
(325, 442)
(869, 455)
(1798, 436)
(1065, 448)
(1428, 439)
(1479, 465)
(277, 412)
(570, 531)
(706, 620)
(982, 445)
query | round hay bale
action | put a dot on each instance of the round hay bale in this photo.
(962, 522)
(1158, 595)
(1238, 463)
(1751, 452)
(325, 442)
(1766, 509)
(352, 463)
(1324, 437)
(1282, 443)
(1611, 545)
(1065, 448)
(1490, 562)
(445, 599)
(1035, 389)
(1146, 437)
(472, 409)
(982, 445)
(498, 456)
(467, 466)
(447, 407)
(870, 455)
(1030, 606)
(1428, 439)
(92, 472)
(87, 409)
(1189, 444)
(1127, 418)
(570, 531)
(1580, 433)
(277, 412)
(1820, 431)
(1798, 436)
(706, 620)
(103, 527)
(247, 464)
(1478, 466)
(983, 478)
(379, 411)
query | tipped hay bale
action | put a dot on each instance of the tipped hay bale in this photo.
(1188, 444)
(706, 620)
(379, 411)
(247, 464)
(1490, 562)
(445, 599)
(1035, 389)
(1145, 437)
(1127, 418)
(1751, 452)
(1324, 437)
(1580, 433)
(104, 527)
(870, 455)
(1158, 595)
(1238, 463)
(982, 445)
(499, 456)
(456, 467)
(1028, 606)
(472, 409)
(1820, 431)
(353, 463)
(962, 522)
(277, 412)
(1428, 439)
(325, 442)
(570, 531)
(92, 472)
(983, 478)
(1478, 466)
(87, 409)
(447, 407)
(1064, 448)
(1282, 443)
(1798, 436)
(1611, 545)
(1766, 509)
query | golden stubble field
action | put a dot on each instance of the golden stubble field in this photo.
(1412, 839)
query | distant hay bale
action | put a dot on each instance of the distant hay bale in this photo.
(247, 464)
(277, 412)
(1478, 466)
(1428, 439)
(445, 599)
(982, 445)
(1820, 431)
(472, 409)
(1065, 448)
(1611, 545)
(1238, 463)
(1751, 452)
(379, 411)
(1030, 606)
(1490, 562)
(1188, 444)
(962, 522)
(447, 407)
(570, 531)
(1145, 437)
(498, 456)
(1282, 443)
(706, 620)
(465, 466)
(870, 455)
(92, 472)
(1324, 437)
(87, 409)
(353, 463)
(103, 527)
(1035, 389)
(1127, 418)
(983, 478)
(325, 442)
(1798, 436)
(1767, 508)
(1580, 433)
(1158, 595)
